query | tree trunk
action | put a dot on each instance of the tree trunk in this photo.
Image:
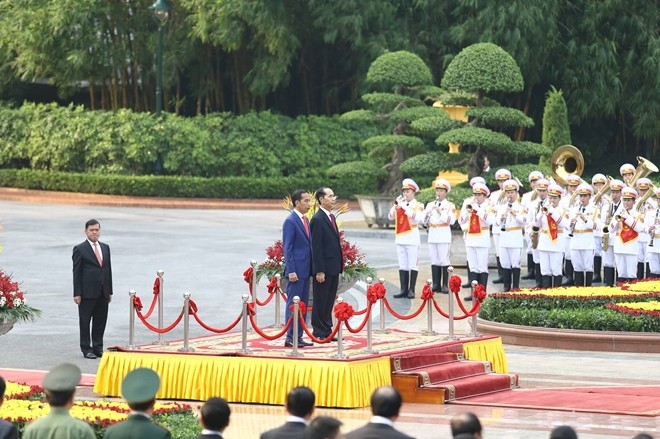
(393, 184)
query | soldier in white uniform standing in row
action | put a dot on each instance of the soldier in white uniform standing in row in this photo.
(652, 226)
(439, 215)
(583, 220)
(511, 218)
(469, 200)
(497, 198)
(407, 213)
(643, 185)
(599, 181)
(550, 220)
(607, 213)
(528, 199)
(533, 211)
(626, 224)
(477, 218)
(569, 201)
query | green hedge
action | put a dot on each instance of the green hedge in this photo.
(166, 186)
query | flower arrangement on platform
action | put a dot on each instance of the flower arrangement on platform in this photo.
(20, 408)
(631, 308)
(13, 305)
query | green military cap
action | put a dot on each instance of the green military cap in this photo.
(140, 385)
(62, 378)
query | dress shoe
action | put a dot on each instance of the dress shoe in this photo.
(334, 339)
(303, 343)
(289, 344)
(99, 354)
(89, 356)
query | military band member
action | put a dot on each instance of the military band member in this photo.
(551, 221)
(497, 198)
(643, 185)
(408, 213)
(439, 215)
(510, 219)
(652, 225)
(627, 172)
(527, 199)
(626, 224)
(599, 181)
(607, 213)
(569, 201)
(583, 220)
(536, 207)
(477, 218)
(469, 200)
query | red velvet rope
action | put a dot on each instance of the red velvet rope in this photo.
(301, 307)
(440, 311)
(156, 288)
(216, 330)
(309, 333)
(156, 330)
(427, 293)
(402, 317)
(270, 337)
(473, 311)
(455, 283)
(273, 287)
(375, 292)
(343, 311)
(364, 322)
(247, 277)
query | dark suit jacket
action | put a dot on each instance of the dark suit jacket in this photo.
(208, 436)
(297, 247)
(90, 280)
(376, 431)
(7, 430)
(136, 427)
(290, 430)
(326, 248)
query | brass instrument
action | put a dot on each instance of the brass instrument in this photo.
(469, 208)
(566, 160)
(618, 217)
(644, 168)
(605, 239)
(649, 193)
(544, 209)
(535, 236)
(535, 195)
(604, 190)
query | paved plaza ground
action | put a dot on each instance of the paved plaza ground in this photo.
(204, 251)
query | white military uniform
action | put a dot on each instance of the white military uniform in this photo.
(439, 216)
(511, 236)
(582, 243)
(626, 241)
(652, 221)
(407, 240)
(477, 237)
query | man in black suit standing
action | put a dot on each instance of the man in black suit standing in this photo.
(385, 405)
(92, 288)
(214, 417)
(326, 262)
(465, 426)
(300, 405)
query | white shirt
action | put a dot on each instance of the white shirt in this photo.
(96, 245)
(381, 420)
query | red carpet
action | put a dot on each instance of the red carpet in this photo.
(34, 377)
(638, 401)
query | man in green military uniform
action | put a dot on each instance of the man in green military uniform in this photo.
(139, 389)
(60, 385)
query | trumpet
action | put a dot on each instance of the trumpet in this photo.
(605, 240)
(535, 236)
(399, 200)
(618, 217)
(469, 208)
(544, 209)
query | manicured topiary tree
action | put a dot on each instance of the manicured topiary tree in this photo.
(399, 82)
(482, 69)
(556, 131)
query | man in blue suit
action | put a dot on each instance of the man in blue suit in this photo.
(297, 245)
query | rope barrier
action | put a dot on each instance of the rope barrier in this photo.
(216, 330)
(473, 311)
(440, 311)
(273, 287)
(154, 329)
(270, 337)
(399, 316)
(311, 336)
(364, 322)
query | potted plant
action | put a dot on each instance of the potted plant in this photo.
(13, 307)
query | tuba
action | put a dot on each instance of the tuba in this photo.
(604, 190)
(649, 193)
(566, 159)
(644, 168)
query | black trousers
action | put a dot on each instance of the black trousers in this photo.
(94, 312)
(325, 295)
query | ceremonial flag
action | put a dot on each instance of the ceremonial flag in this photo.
(475, 224)
(627, 234)
(402, 225)
(552, 227)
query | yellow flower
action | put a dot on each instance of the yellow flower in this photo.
(15, 388)
(644, 306)
(592, 291)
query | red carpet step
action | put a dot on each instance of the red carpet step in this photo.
(437, 377)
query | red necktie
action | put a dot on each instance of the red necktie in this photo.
(334, 223)
(306, 225)
(98, 254)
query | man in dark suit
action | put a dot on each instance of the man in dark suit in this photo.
(300, 405)
(92, 288)
(385, 405)
(139, 389)
(297, 246)
(465, 426)
(326, 262)
(214, 417)
(7, 429)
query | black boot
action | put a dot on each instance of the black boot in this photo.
(435, 276)
(598, 262)
(404, 278)
(608, 276)
(546, 282)
(444, 288)
(539, 280)
(568, 268)
(413, 281)
(648, 270)
(506, 276)
(640, 270)
(556, 281)
(483, 279)
(579, 278)
(500, 273)
(515, 279)
(531, 268)
(589, 280)
(470, 277)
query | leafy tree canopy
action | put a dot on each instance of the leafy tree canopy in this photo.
(501, 117)
(400, 68)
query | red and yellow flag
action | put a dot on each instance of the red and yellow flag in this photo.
(627, 233)
(475, 224)
(402, 225)
(552, 227)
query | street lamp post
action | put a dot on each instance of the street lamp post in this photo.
(161, 11)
